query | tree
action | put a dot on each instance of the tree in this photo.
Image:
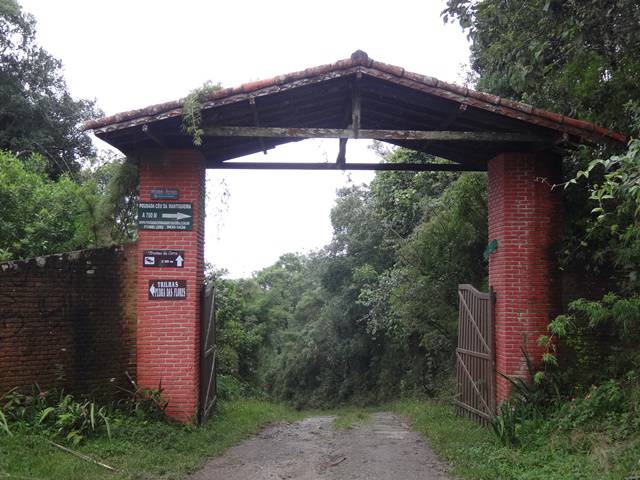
(39, 216)
(374, 313)
(576, 57)
(37, 113)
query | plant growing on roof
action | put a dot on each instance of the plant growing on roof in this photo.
(192, 110)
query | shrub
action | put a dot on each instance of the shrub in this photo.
(54, 414)
(58, 414)
(142, 402)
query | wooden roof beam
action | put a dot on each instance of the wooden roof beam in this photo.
(433, 135)
(412, 167)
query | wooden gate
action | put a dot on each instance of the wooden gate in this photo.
(475, 355)
(208, 390)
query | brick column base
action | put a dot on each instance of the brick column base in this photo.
(525, 217)
(168, 340)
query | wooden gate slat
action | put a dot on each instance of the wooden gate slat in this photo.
(475, 355)
(473, 383)
(208, 390)
(473, 323)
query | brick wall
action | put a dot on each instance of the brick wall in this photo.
(169, 331)
(525, 218)
(69, 320)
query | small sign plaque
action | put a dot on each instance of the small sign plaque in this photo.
(165, 194)
(167, 289)
(165, 215)
(163, 258)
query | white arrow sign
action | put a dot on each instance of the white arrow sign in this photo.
(179, 261)
(152, 290)
(177, 216)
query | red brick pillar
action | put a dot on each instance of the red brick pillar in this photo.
(525, 217)
(169, 329)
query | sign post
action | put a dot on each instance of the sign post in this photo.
(167, 289)
(163, 258)
(165, 215)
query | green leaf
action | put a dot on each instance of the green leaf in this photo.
(4, 425)
(45, 413)
(550, 359)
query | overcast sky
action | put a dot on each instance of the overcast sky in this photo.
(132, 53)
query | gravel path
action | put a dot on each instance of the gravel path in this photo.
(382, 448)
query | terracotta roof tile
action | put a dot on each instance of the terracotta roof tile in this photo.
(361, 59)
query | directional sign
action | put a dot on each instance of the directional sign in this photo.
(167, 289)
(163, 258)
(165, 194)
(165, 216)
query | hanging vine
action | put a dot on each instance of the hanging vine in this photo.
(192, 110)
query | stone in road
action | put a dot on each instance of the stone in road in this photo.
(382, 448)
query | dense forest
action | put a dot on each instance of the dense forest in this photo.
(373, 315)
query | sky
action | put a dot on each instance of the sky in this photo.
(128, 54)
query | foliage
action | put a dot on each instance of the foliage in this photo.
(616, 195)
(598, 340)
(543, 451)
(38, 114)
(374, 313)
(576, 57)
(74, 420)
(603, 403)
(349, 417)
(53, 413)
(192, 110)
(506, 424)
(141, 448)
(142, 402)
(4, 424)
(230, 388)
(40, 216)
(117, 206)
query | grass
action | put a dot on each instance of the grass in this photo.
(350, 417)
(141, 450)
(474, 454)
(154, 450)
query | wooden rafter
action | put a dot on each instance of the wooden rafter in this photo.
(256, 121)
(434, 135)
(412, 167)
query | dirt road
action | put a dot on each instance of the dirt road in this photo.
(382, 448)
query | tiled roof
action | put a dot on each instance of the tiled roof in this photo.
(360, 60)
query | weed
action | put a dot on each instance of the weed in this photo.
(142, 402)
(4, 426)
(45, 412)
(349, 418)
(506, 425)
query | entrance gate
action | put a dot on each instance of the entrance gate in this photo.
(355, 98)
(208, 388)
(475, 355)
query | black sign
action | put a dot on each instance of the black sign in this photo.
(167, 289)
(165, 194)
(163, 258)
(165, 216)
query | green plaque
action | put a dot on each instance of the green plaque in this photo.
(165, 215)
